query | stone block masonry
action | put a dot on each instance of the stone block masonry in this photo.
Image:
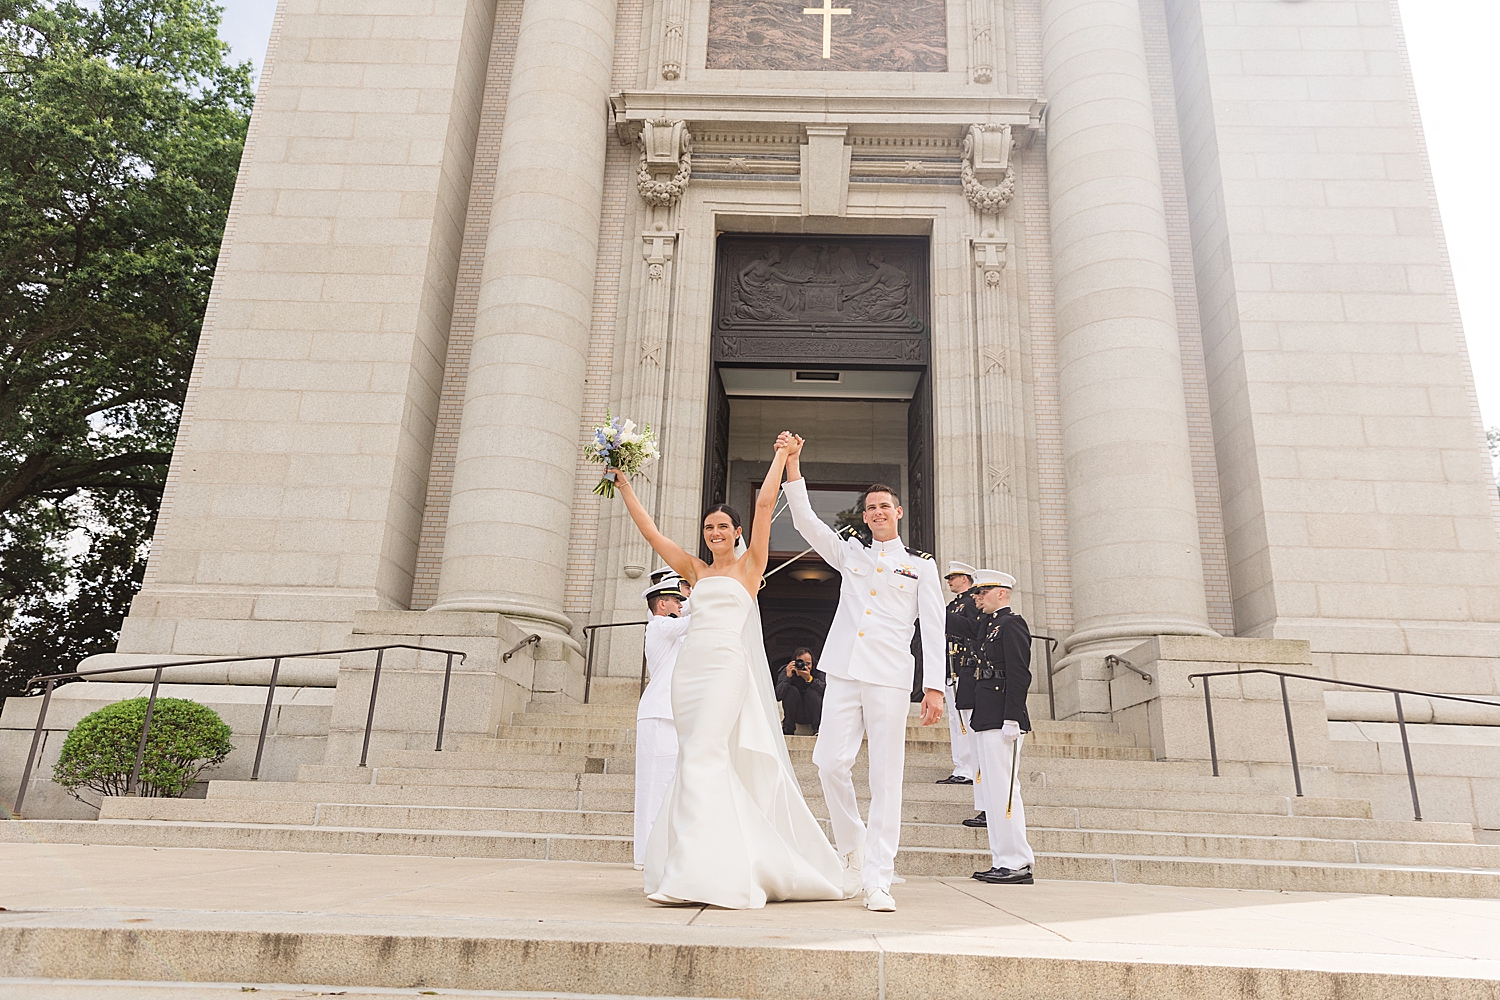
(298, 480)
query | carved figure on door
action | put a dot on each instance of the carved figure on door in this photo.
(768, 291)
(883, 296)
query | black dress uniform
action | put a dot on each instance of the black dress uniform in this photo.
(958, 693)
(1002, 642)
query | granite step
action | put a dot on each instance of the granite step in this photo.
(1307, 876)
(797, 746)
(1052, 830)
(1205, 811)
(623, 732)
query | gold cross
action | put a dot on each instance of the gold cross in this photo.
(827, 11)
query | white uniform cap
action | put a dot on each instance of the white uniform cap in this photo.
(956, 568)
(993, 578)
(661, 573)
(666, 585)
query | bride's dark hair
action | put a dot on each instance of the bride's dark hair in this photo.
(723, 508)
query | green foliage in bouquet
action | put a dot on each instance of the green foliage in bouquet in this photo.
(617, 444)
(186, 738)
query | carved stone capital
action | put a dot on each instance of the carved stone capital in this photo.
(656, 249)
(989, 257)
(988, 177)
(666, 162)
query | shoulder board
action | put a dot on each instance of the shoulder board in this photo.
(920, 554)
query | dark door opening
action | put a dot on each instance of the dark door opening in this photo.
(826, 336)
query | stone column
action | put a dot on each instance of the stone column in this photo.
(506, 546)
(1132, 518)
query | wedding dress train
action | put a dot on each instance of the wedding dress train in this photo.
(734, 830)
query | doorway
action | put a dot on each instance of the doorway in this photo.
(826, 336)
(861, 428)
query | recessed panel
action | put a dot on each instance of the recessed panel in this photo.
(821, 301)
(872, 36)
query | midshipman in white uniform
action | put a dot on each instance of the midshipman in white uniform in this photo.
(868, 660)
(655, 732)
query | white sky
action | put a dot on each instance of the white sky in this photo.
(1451, 43)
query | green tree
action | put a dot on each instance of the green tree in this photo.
(121, 129)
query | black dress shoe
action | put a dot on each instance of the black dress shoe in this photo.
(977, 821)
(955, 779)
(1006, 876)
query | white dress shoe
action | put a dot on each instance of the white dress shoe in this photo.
(879, 901)
(854, 876)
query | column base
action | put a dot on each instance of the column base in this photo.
(532, 617)
(486, 689)
(1082, 680)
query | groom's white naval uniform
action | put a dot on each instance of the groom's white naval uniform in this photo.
(868, 660)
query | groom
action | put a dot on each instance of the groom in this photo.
(868, 660)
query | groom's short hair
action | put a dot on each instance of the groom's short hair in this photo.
(878, 488)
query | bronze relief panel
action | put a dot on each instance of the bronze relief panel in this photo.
(879, 36)
(791, 300)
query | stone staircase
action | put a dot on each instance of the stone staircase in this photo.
(557, 784)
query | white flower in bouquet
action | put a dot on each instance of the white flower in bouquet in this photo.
(617, 444)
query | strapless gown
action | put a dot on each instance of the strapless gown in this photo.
(734, 830)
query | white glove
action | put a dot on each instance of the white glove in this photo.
(1011, 731)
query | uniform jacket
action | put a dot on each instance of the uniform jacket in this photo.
(664, 638)
(885, 588)
(960, 655)
(1003, 644)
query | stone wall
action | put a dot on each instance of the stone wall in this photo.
(1359, 508)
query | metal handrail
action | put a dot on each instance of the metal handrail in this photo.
(51, 681)
(588, 666)
(1119, 661)
(1051, 692)
(1286, 708)
(530, 640)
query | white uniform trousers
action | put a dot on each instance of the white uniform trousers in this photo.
(1008, 846)
(853, 710)
(958, 739)
(972, 740)
(655, 763)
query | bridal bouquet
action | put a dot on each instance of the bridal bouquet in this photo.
(618, 445)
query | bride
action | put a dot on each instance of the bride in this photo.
(734, 830)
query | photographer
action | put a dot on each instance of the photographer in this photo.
(799, 688)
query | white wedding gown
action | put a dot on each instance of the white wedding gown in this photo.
(734, 830)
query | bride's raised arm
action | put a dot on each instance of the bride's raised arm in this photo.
(689, 567)
(759, 550)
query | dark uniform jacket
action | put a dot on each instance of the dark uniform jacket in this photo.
(819, 682)
(961, 658)
(1003, 644)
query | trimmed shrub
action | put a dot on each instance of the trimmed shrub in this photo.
(186, 738)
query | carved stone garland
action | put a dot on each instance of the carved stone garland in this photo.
(665, 145)
(987, 158)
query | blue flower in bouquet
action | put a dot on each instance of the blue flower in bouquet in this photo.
(618, 444)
